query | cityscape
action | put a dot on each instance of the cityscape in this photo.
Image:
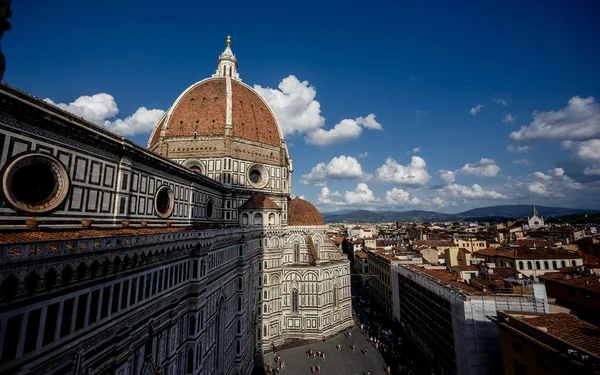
(448, 223)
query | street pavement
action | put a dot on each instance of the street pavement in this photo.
(344, 362)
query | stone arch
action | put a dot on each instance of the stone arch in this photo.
(117, 264)
(82, 271)
(274, 242)
(272, 219)
(274, 280)
(66, 275)
(296, 238)
(95, 269)
(257, 219)
(31, 283)
(310, 276)
(195, 165)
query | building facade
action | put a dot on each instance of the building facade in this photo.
(187, 257)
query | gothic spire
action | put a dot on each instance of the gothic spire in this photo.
(227, 63)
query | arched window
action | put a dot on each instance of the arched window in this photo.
(245, 219)
(230, 76)
(296, 253)
(573, 263)
(258, 219)
(335, 296)
(294, 301)
(537, 265)
(265, 280)
(265, 330)
(271, 219)
(265, 308)
(545, 264)
(192, 326)
(317, 248)
(563, 263)
(529, 266)
(553, 264)
(520, 265)
(265, 294)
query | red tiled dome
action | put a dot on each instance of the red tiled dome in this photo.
(301, 212)
(259, 200)
(202, 109)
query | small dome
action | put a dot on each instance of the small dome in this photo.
(301, 212)
(259, 200)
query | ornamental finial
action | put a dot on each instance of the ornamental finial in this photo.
(228, 40)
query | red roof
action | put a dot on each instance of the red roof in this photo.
(571, 277)
(259, 200)
(301, 212)
(566, 327)
(58, 235)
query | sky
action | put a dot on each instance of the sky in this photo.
(429, 105)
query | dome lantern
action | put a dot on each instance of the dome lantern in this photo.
(227, 63)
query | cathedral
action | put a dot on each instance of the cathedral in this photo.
(188, 256)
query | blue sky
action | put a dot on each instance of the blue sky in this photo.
(479, 103)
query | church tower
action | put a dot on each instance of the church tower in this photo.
(535, 221)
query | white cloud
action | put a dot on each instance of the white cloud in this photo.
(579, 121)
(413, 174)
(416, 150)
(503, 101)
(363, 155)
(399, 197)
(99, 108)
(439, 202)
(142, 121)
(541, 176)
(538, 188)
(346, 130)
(95, 108)
(342, 167)
(508, 118)
(593, 170)
(325, 195)
(553, 184)
(587, 150)
(517, 149)
(298, 112)
(369, 122)
(474, 192)
(447, 177)
(361, 195)
(475, 110)
(485, 168)
(294, 105)
(522, 162)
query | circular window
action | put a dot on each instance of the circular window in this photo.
(210, 210)
(258, 176)
(164, 202)
(36, 183)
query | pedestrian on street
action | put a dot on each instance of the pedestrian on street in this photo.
(365, 352)
(318, 369)
(323, 356)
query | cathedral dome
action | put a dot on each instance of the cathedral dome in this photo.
(217, 107)
(301, 212)
(213, 106)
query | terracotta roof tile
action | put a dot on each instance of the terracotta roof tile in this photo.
(32, 236)
(572, 278)
(566, 327)
(301, 212)
(259, 200)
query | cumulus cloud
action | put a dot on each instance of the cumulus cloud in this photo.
(579, 121)
(399, 197)
(344, 131)
(297, 112)
(369, 122)
(485, 168)
(473, 192)
(587, 150)
(416, 150)
(554, 183)
(508, 118)
(513, 149)
(363, 155)
(100, 108)
(142, 121)
(475, 110)
(342, 167)
(360, 196)
(413, 174)
(592, 171)
(442, 203)
(294, 105)
(325, 196)
(447, 177)
(522, 162)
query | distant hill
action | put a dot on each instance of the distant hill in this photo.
(482, 213)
